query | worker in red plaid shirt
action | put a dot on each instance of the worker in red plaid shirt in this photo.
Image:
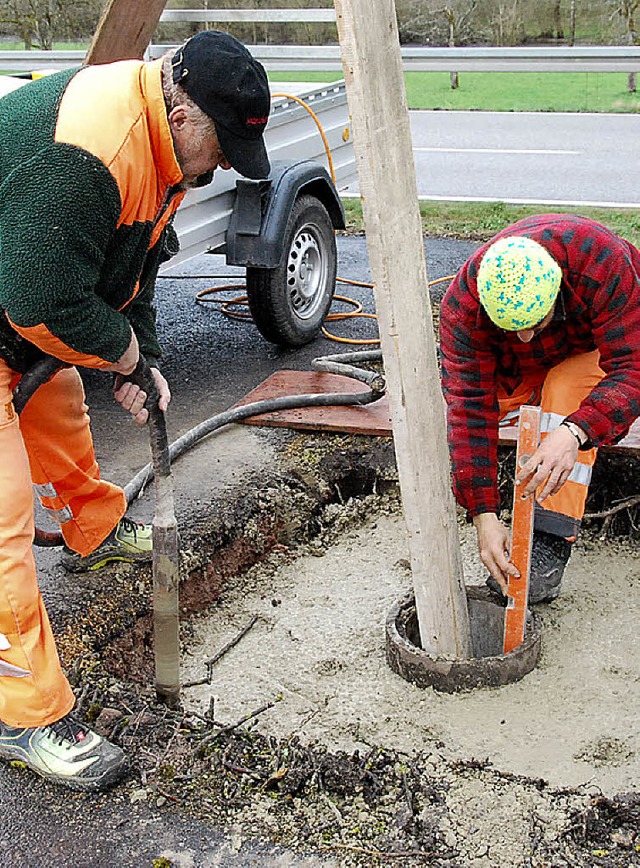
(546, 313)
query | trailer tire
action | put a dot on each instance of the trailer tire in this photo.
(289, 303)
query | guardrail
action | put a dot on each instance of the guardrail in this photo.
(584, 58)
(29, 61)
(238, 16)
(327, 57)
(549, 59)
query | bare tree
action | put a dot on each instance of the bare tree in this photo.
(557, 20)
(431, 22)
(627, 10)
(458, 17)
(572, 23)
(507, 21)
(39, 23)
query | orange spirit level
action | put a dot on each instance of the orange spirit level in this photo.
(521, 533)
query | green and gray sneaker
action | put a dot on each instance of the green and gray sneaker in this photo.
(65, 752)
(129, 541)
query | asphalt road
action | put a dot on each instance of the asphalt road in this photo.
(527, 158)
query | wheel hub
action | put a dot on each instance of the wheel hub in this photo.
(305, 273)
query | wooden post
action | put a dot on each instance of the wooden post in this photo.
(125, 30)
(375, 87)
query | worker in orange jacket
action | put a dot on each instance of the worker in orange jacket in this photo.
(93, 165)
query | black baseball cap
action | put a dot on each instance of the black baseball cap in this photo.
(229, 85)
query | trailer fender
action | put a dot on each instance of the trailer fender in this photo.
(255, 236)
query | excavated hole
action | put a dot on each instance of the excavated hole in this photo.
(286, 516)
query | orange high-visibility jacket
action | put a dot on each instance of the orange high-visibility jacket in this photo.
(88, 181)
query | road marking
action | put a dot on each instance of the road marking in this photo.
(495, 151)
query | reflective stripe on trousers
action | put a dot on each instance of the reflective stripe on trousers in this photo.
(51, 445)
(559, 393)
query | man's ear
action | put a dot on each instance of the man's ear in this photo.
(177, 118)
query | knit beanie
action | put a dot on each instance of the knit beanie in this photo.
(518, 282)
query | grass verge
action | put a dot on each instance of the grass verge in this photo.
(508, 91)
(480, 221)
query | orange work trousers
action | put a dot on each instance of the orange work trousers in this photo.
(559, 392)
(51, 447)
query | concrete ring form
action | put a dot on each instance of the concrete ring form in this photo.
(489, 667)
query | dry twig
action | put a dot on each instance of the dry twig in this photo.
(624, 504)
(210, 663)
(231, 726)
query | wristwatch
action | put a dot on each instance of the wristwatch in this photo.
(580, 435)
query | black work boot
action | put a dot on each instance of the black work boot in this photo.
(549, 556)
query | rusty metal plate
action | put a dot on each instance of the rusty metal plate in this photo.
(373, 419)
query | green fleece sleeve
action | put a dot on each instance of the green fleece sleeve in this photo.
(141, 313)
(58, 213)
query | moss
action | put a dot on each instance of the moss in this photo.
(93, 711)
(166, 772)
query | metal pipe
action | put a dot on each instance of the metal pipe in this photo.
(166, 552)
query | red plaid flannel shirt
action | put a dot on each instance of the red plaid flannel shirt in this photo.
(600, 294)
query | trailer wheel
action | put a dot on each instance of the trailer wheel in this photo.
(289, 303)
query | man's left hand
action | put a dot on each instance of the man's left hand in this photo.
(552, 461)
(133, 398)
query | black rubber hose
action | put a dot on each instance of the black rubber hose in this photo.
(338, 363)
(37, 375)
(143, 377)
(293, 402)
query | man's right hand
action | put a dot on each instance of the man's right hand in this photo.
(493, 546)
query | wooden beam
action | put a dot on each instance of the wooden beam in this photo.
(375, 87)
(125, 30)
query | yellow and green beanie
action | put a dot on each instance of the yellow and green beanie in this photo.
(518, 282)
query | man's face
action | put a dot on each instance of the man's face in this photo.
(198, 155)
(526, 335)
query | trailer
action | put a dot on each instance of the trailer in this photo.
(281, 229)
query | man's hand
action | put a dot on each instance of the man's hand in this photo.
(493, 546)
(552, 461)
(133, 398)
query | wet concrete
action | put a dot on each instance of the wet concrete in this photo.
(210, 362)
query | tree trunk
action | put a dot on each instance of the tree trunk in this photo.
(572, 24)
(557, 20)
(375, 87)
(454, 78)
(629, 11)
(124, 30)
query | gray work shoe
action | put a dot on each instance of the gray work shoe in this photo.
(65, 752)
(549, 556)
(129, 541)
